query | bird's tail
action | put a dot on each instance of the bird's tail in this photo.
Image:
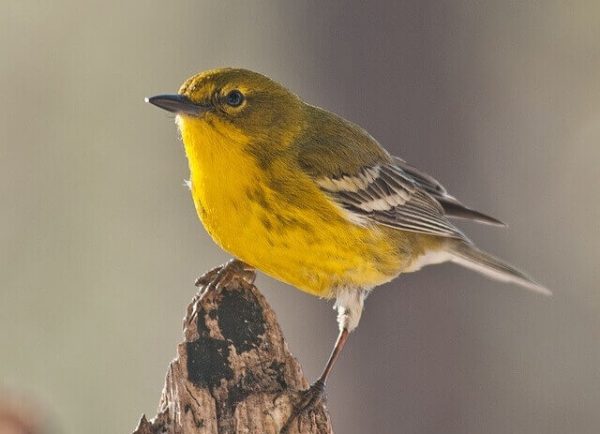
(471, 257)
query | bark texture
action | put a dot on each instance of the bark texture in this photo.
(233, 372)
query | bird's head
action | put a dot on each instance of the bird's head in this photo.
(240, 106)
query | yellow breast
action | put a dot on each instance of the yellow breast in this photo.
(302, 238)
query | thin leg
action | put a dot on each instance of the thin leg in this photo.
(312, 396)
(337, 349)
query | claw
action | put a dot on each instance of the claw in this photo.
(228, 273)
(220, 277)
(223, 275)
(311, 397)
(207, 277)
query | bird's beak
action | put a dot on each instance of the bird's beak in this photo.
(179, 104)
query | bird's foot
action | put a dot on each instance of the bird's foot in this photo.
(223, 275)
(218, 278)
(309, 400)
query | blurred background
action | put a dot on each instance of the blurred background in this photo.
(100, 245)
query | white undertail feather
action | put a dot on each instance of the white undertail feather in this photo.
(429, 258)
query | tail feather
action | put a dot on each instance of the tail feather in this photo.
(471, 257)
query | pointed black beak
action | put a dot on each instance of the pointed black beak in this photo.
(179, 104)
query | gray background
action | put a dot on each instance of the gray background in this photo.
(99, 242)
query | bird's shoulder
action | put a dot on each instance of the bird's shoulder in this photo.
(331, 146)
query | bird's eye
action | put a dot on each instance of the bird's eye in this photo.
(234, 98)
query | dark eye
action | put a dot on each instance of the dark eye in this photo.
(234, 98)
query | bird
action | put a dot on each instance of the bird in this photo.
(312, 199)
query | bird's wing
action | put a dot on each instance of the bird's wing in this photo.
(452, 207)
(387, 194)
(354, 170)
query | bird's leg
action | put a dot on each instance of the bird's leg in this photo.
(221, 276)
(349, 305)
(313, 395)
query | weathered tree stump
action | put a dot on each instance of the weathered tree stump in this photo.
(233, 372)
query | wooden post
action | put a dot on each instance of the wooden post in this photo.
(233, 372)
